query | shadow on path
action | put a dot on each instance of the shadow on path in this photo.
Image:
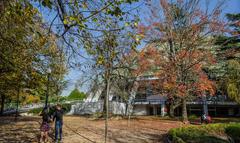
(24, 130)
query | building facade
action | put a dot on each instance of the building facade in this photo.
(149, 100)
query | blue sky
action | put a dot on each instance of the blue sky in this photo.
(231, 6)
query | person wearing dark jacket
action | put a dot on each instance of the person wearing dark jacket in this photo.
(58, 118)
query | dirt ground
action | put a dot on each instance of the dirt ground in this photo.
(87, 130)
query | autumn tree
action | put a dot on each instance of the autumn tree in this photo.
(15, 60)
(181, 33)
(25, 52)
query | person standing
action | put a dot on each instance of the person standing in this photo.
(58, 118)
(45, 125)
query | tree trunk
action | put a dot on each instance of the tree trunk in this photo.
(205, 106)
(47, 91)
(2, 103)
(18, 96)
(104, 94)
(126, 109)
(131, 98)
(184, 110)
(130, 112)
(106, 115)
(171, 110)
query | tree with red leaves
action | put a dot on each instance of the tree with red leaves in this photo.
(181, 36)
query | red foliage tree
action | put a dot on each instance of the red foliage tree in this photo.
(181, 36)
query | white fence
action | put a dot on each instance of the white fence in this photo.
(94, 107)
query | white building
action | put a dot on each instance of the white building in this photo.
(143, 102)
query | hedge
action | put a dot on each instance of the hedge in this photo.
(66, 108)
(211, 133)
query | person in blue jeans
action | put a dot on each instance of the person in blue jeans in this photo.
(58, 118)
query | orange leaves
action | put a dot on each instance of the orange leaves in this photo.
(182, 74)
(195, 58)
(182, 90)
(182, 32)
(204, 84)
(169, 82)
(147, 58)
(182, 29)
(194, 62)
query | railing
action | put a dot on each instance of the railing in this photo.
(214, 103)
(159, 101)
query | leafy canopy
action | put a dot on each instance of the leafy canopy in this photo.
(76, 95)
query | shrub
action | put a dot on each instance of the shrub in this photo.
(35, 111)
(194, 135)
(193, 117)
(55, 99)
(234, 132)
(207, 133)
(65, 107)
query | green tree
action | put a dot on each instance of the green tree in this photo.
(229, 59)
(233, 80)
(17, 56)
(76, 95)
(107, 53)
(25, 52)
(82, 22)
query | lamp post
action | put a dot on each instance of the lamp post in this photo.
(47, 91)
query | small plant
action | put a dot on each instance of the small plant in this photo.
(97, 115)
(193, 117)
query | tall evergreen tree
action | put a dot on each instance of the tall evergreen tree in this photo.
(229, 59)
